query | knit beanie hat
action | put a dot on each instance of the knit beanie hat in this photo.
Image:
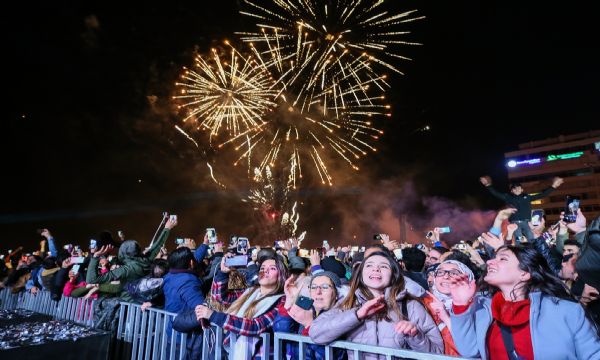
(335, 280)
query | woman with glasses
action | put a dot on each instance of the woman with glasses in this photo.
(439, 301)
(378, 311)
(325, 289)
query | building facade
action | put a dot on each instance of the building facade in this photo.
(576, 158)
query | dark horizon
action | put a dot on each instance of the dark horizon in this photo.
(87, 117)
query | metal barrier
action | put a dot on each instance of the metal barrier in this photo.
(148, 334)
(8, 300)
(350, 347)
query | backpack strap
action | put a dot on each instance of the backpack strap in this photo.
(404, 308)
(509, 344)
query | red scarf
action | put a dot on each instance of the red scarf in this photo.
(514, 314)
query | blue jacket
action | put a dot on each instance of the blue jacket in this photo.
(559, 329)
(183, 291)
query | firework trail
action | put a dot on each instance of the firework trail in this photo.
(187, 136)
(212, 176)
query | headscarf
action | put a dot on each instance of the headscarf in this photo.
(447, 299)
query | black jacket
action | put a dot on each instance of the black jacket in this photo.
(521, 202)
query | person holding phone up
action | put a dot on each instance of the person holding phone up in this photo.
(298, 312)
(250, 312)
(520, 201)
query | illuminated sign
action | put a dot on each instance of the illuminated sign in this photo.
(514, 163)
(572, 155)
(597, 145)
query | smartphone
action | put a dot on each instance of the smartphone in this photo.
(75, 268)
(571, 210)
(93, 243)
(179, 241)
(445, 230)
(429, 234)
(325, 243)
(354, 248)
(237, 261)
(212, 235)
(173, 218)
(77, 259)
(242, 245)
(461, 246)
(398, 254)
(121, 235)
(377, 237)
(536, 217)
(304, 302)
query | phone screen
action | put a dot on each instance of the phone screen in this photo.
(536, 217)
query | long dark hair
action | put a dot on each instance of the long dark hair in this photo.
(396, 286)
(542, 278)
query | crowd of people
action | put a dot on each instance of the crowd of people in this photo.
(510, 293)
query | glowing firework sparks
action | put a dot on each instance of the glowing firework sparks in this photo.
(327, 30)
(186, 135)
(309, 93)
(228, 96)
(212, 176)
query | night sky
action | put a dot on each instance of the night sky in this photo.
(86, 116)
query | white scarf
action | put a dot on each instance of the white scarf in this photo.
(245, 345)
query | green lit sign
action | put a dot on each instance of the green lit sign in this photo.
(572, 155)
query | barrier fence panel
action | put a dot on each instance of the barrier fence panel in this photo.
(357, 349)
(146, 335)
(149, 334)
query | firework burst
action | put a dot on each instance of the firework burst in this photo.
(228, 97)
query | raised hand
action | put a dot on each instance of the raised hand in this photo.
(486, 180)
(103, 250)
(557, 181)
(462, 290)
(315, 258)
(224, 268)
(439, 309)
(371, 307)
(291, 291)
(492, 240)
(171, 223)
(504, 214)
(407, 328)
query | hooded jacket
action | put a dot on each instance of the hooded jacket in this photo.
(338, 324)
(134, 265)
(559, 329)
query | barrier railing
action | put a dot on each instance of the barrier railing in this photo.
(148, 334)
(356, 349)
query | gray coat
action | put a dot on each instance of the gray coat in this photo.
(338, 324)
(558, 330)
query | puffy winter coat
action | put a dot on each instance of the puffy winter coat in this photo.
(338, 324)
(559, 329)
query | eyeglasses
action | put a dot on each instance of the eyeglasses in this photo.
(452, 273)
(324, 287)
